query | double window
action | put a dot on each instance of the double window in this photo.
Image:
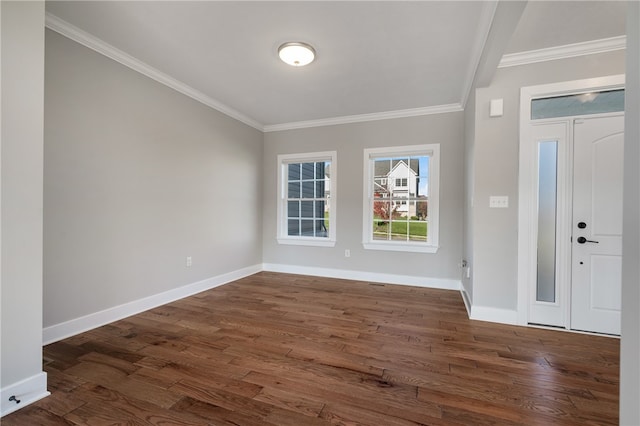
(401, 198)
(306, 204)
(400, 204)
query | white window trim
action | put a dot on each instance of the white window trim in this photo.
(283, 161)
(431, 246)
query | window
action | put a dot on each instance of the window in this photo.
(401, 198)
(306, 199)
(401, 182)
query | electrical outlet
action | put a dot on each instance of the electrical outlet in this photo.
(347, 253)
(189, 262)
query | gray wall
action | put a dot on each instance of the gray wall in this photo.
(349, 141)
(495, 170)
(630, 344)
(137, 177)
(21, 192)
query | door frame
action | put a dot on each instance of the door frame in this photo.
(527, 186)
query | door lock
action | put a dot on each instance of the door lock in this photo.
(582, 240)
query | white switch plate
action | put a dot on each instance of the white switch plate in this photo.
(499, 201)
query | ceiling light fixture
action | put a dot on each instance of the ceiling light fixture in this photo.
(296, 54)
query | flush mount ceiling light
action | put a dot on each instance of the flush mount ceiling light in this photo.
(296, 54)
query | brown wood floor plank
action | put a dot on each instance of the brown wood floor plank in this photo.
(278, 349)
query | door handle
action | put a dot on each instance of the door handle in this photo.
(582, 240)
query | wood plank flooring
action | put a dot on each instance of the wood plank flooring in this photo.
(277, 349)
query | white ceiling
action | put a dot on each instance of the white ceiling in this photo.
(372, 57)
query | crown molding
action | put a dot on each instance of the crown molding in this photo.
(348, 119)
(76, 34)
(563, 52)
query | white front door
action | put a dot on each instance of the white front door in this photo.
(597, 224)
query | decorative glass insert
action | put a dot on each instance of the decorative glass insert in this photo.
(547, 206)
(578, 104)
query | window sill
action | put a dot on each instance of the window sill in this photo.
(393, 246)
(312, 242)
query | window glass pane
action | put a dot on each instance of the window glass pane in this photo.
(321, 229)
(307, 189)
(320, 189)
(580, 104)
(306, 228)
(306, 209)
(293, 208)
(399, 230)
(547, 190)
(418, 231)
(308, 170)
(320, 170)
(326, 219)
(380, 229)
(294, 171)
(421, 210)
(381, 209)
(294, 190)
(319, 210)
(293, 226)
(422, 187)
(382, 168)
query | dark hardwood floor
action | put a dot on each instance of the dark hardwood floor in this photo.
(276, 349)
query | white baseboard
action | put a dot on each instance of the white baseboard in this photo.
(75, 326)
(467, 301)
(502, 316)
(441, 283)
(27, 391)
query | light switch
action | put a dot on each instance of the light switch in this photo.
(499, 201)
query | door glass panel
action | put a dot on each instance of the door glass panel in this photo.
(547, 190)
(579, 104)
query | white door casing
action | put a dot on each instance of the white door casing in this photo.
(597, 224)
(556, 313)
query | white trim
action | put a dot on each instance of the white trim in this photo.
(75, 326)
(92, 42)
(416, 247)
(526, 177)
(346, 274)
(502, 316)
(347, 119)
(27, 391)
(304, 241)
(564, 52)
(467, 301)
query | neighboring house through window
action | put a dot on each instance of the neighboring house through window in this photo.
(401, 198)
(306, 199)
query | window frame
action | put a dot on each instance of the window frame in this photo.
(282, 229)
(370, 155)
